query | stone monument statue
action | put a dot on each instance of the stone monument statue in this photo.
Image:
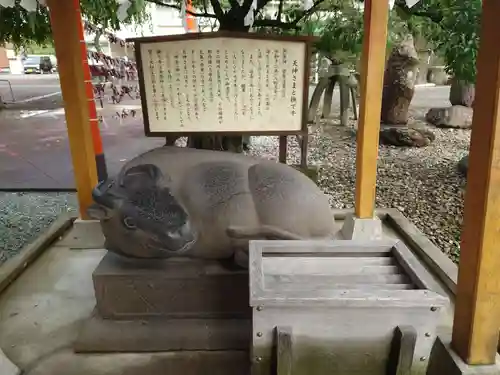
(183, 202)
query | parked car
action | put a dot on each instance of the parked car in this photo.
(40, 64)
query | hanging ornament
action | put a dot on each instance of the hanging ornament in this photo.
(307, 4)
(7, 3)
(123, 6)
(29, 5)
(410, 3)
(250, 17)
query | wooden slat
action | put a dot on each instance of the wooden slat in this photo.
(283, 287)
(415, 270)
(402, 351)
(477, 306)
(354, 298)
(327, 268)
(65, 31)
(284, 351)
(315, 282)
(373, 60)
(318, 247)
(309, 265)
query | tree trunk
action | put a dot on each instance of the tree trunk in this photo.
(97, 40)
(462, 93)
(399, 83)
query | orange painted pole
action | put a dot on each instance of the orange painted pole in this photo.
(100, 160)
(477, 304)
(376, 15)
(71, 76)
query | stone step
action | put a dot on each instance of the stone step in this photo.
(160, 334)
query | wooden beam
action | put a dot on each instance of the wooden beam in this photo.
(64, 17)
(477, 306)
(376, 16)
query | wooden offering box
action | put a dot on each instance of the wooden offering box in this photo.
(341, 307)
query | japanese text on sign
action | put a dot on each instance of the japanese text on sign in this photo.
(224, 85)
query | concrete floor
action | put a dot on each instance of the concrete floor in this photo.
(40, 316)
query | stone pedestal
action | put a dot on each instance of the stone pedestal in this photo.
(172, 288)
(444, 360)
(361, 229)
(85, 234)
(167, 305)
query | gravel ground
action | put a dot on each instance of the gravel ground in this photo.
(422, 183)
(24, 215)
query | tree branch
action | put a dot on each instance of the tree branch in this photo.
(434, 15)
(261, 4)
(266, 22)
(234, 3)
(245, 7)
(309, 11)
(219, 13)
(194, 14)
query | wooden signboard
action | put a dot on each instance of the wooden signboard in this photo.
(226, 83)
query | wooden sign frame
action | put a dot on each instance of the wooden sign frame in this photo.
(229, 35)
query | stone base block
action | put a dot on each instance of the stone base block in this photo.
(166, 363)
(162, 334)
(175, 288)
(361, 229)
(444, 360)
(85, 234)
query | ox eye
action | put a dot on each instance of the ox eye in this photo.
(129, 223)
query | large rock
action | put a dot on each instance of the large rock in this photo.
(456, 116)
(406, 137)
(399, 83)
(463, 165)
(462, 93)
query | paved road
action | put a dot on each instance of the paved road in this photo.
(425, 97)
(34, 151)
(27, 87)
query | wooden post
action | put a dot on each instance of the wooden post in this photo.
(477, 306)
(376, 15)
(65, 31)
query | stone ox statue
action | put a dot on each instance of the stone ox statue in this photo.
(204, 204)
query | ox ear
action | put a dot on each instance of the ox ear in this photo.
(98, 212)
(141, 176)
